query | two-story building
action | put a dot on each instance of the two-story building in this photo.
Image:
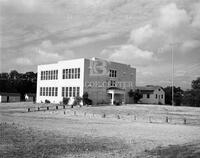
(104, 81)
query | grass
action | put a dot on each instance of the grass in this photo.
(20, 142)
(176, 151)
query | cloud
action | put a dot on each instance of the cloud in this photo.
(172, 17)
(23, 61)
(130, 54)
(142, 34)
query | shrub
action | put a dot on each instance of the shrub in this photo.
(65, 101)
(77, 100)
(86, 100)
(47, 101)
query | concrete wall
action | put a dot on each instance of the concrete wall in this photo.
(60, 82)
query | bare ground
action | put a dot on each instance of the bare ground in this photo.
(53, 134)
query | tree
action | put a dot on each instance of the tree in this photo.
(137, 95)
(192, 97)
(196, 83)
(178, 95)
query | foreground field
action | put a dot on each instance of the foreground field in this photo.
(55, 134)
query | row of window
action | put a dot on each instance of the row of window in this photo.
(73, 73)
(49, 75)
(113, 73)
(48, 91)
(70, 91)
(148, 96)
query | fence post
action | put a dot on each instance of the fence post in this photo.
(64, 112)
(135, 118)
(38, 108)
(63, 106)
(29, 109)
(150, 119)
(184, 120)
(47, 108)
(56, 107)
(167, 119)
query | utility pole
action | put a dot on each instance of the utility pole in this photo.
(172, 75)
(172, 56)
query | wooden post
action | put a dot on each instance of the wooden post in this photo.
(38, 108)
(47, 108)
(63, 106)
(29, 109)
(184, 120)
(167, 119)
(150, 119)
(135, 118)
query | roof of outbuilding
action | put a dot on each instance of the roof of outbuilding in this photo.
(148, 89)
(9, 94)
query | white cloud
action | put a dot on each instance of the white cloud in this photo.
(172, 17)
(130, 54)
(23, 61)
(142, 34)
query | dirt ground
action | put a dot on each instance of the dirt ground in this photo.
(68, 135)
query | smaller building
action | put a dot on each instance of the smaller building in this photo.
(152, 95)
(9, 97)
(30, 97)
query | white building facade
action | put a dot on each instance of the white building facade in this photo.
(104, 81)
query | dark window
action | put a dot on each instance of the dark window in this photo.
(148, 95)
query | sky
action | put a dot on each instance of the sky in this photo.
(141, 33)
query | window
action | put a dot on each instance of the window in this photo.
(43, 91)
(148, 95)
(112, 83)
(69, 73)
(40, 91)
(56, 91)
(70, 91)
(156, 96)
(76, 75)
(113, 73)
(63, 73)
(49, 91)
(74, 91)
(53, 91)
(66, 89)
(46, 91)
(63, 91)
(77, 91)
(162, 96)
(72, 73)
(42, 75)
(78, 72)
(56, 74)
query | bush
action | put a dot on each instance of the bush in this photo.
(77, 100)
(47, 101)
(86, 100)
(65, 101)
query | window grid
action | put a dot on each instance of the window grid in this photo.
(49, 75)
(73, 73)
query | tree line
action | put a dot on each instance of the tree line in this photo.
(189, 97)
(15, 82)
